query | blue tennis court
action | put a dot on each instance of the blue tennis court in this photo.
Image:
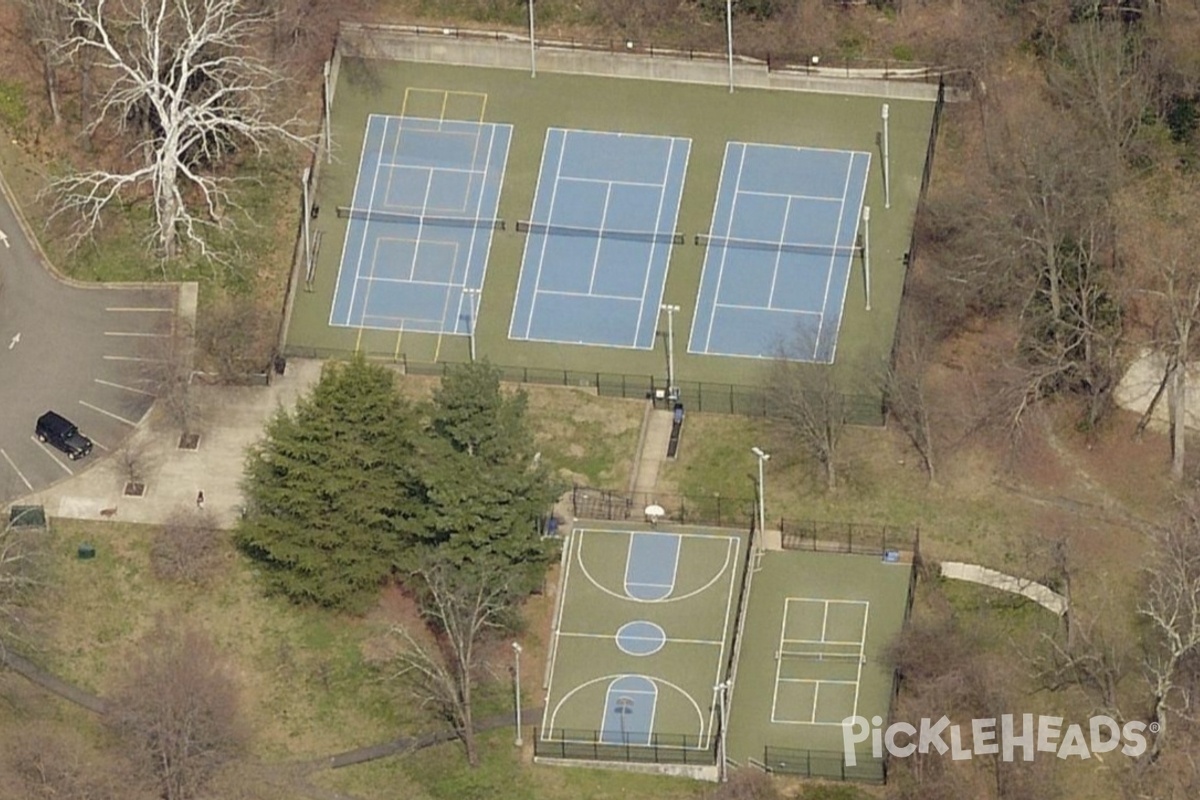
(600, 237)
(421, 224)
(783, 239)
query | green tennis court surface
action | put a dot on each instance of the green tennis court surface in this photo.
(557, 334)
(811, 654)
(642, 637)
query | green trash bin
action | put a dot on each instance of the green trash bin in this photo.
(86, 551)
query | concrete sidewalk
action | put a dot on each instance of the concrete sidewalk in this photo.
(229, 420)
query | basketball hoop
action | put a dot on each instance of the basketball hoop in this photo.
(654, 513)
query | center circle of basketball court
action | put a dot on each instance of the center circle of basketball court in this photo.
(641, 638)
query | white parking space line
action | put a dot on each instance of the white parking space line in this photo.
(99, 410)
(50, 453)
(24, 480)
(123, 387)
(139, 308)
(144, 335)
(134, 358)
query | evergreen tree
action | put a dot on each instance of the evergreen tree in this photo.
(330, 489)
(484, 491)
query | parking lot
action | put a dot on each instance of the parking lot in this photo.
(96, 355)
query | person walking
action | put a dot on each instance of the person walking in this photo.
(200, 500)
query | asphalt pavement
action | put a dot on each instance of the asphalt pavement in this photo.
(93, 353)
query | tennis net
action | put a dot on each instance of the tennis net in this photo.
(377, 215)
(819, 655)
(526, 226)
(777, 247)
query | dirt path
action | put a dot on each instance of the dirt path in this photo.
(292, 775)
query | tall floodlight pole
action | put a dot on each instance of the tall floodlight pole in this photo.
(887, 167)
(532, 45)
(307, 238)
(867, 252)
(517, 688)
(473, 295)
(721, 689)
(729, 38)
(762, 505)
(670, 309)
(328, 99)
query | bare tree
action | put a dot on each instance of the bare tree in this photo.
(45, 29)
(169, 374)
(235, 336)
(1171, 607)
(177, 710)
(1165, 277)
(21, 573)
(55, 764)
(463, 606)
(185, 73)
(187, 548)
(903, 382)
(812, 412)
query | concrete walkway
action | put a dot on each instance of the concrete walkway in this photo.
(228, 419)
(1036, 592)
(654, 452)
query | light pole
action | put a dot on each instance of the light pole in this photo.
(867, 252)
(729, 38)
(517, 688)
(472, 294)
(722, 690)
(532, 45)
(670, 309)
(762, 506)
(887, 171)
(308, 270)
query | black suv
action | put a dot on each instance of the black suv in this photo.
(62, 433)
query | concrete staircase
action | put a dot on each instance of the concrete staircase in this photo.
(656, 433)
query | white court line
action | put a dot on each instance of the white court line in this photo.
(858, 680)
(825, 621)
(787, 213)
(790, 196)
(599, 240)
(823, 641)
(629, 563)
(626, 531)
(53, 457)
(491, 238)
(140, 308)
(537, 187)
(712, 230)
(744, 307)
(597, 295)
(407, 281)
(20, 474)
(537, 282)
(837, 237)
(621, 182)
(737, 186)
(779, 661)
(140, 335)
(668, 640)
(474, 236)
(662, 199)
(730, 554)
(573, 542)
(99, 410)
(626, 598)
(846, 288)
(362, 248)
(463, 170)
(123, 387)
